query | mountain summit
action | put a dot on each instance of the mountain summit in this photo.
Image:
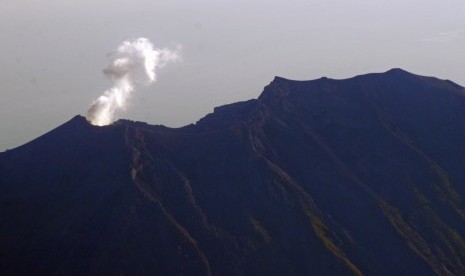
(324, 177)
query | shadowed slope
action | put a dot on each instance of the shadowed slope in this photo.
(323, 177)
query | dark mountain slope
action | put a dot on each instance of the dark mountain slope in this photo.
(324, 177)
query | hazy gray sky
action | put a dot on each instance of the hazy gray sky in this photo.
(53, 51)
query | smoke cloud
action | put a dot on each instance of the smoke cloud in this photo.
(133, 63)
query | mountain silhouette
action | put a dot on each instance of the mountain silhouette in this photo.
(362, 176)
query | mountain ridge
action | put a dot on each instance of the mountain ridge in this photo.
(276, 81)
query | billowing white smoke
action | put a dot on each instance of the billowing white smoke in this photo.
(135, 62)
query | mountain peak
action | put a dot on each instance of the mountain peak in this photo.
(400, 74)
(78, 120)
(279, 79)
(397, 71)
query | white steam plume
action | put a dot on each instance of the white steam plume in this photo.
(134, 62)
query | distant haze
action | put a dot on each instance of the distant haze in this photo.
(53, 51)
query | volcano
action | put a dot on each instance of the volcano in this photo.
(362, 176)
